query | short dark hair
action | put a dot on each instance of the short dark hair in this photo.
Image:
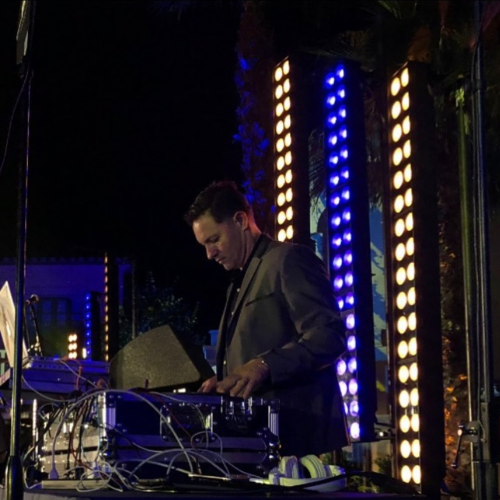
(221, 200)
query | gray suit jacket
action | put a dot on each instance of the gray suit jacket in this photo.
(286, 313)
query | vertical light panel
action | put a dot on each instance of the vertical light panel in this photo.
(349, 250)
(283, 155)
(73, 346)
(93, 326)
(87, 350)
(414, 325)
(106, 307)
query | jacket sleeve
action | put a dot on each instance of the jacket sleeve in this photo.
(312, 309)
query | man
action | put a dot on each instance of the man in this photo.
(280, 332)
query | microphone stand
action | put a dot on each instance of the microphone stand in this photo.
(14, 472)
(37, 348)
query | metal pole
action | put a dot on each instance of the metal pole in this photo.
(134, 300)
(14, 472)
(483, 462)
(468, 261)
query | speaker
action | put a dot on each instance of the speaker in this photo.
(159, 359)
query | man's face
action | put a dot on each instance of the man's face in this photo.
(224, 241)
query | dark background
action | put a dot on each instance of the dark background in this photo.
(133, 113)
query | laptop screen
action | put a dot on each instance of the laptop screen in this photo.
(8, 324)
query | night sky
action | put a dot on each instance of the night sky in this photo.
(133, 112)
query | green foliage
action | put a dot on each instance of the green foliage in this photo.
(157, 306)
(384, 464)
(181, 7)
(398, 9)
(452, 292)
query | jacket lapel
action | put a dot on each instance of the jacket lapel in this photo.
(227, 317)
(247, 279)
(221, 337)
(253, 265)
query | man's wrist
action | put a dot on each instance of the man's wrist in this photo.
(262, 362)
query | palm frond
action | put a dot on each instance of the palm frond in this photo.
(396, 9)
(182, 6)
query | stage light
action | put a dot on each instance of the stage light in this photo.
(404, 373)
(405, 424)
(403, 350)
(73, 346)
(341, 367)
(414, 285)
(350, 264)
(289, 185)
(88, 325)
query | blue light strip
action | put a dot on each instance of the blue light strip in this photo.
(346, 205)
(88, 325)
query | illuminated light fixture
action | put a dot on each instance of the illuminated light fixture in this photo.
(397, 133)
(73, 346)
(88, 325)
(106, 307)
(349, 262)
(284, 195)
(401, 276)
(395, 86)
(404, 374)
(93, 325)
(290, 183)
(403, 352)
(396, 110)
(399, 204)
(413, 291)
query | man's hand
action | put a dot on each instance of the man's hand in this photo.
(209, 385)
(245, 379)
